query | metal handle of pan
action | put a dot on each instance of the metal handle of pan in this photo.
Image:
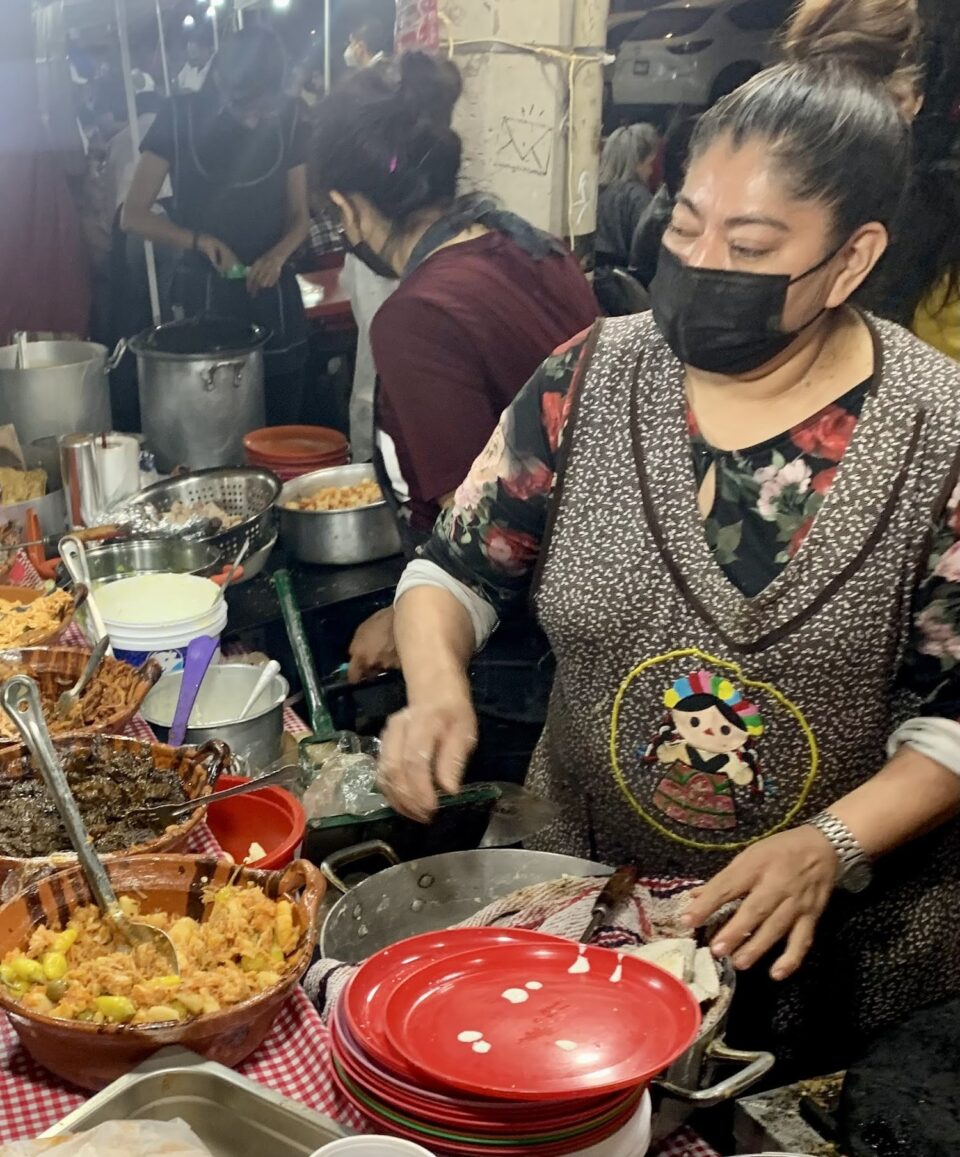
(117, 356)
(209, 376)
(755, 1065)
(337, 861)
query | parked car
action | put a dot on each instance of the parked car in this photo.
(692, 53)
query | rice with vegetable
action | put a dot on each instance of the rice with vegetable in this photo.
(87, 972)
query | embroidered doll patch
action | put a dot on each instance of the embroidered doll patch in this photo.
(705, 749)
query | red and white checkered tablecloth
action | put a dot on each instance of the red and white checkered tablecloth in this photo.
(294, 1060)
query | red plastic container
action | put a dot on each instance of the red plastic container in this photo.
(272, 818)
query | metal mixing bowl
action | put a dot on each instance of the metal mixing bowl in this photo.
(116, 560)
(336, 537)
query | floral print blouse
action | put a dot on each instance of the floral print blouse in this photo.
(767, 497)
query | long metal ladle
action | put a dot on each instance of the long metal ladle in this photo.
(20, 699)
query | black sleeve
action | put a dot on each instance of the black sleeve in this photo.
(160, 136)
(299, 138)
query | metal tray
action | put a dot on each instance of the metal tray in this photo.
(232, 1116)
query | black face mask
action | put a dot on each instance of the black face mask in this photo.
(372, 259)
(720, 320)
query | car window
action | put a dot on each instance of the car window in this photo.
(663, 23)
(760, 15)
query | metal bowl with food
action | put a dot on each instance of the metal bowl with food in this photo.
(221, 698)
(103, 1041)
(107, 704)
(117, 560)
(225, 506)
(30, 618)
(111, 777)
(337, 517)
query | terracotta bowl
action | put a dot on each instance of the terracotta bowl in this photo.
(92, 1055)
(10, 594)
(198, 768)
(56, 669)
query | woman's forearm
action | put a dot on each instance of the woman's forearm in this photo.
(911, 795)
(435, 641)
(291, 241)
(155, 227)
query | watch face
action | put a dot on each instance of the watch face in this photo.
(857, 877)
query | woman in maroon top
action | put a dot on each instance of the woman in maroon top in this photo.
(483, 296)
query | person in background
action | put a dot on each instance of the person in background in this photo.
(235, 153)
(886, 38)
(192, 76)
(369, 43)
(626, 169)
(482, 294)
(937, 315)
(648, 235)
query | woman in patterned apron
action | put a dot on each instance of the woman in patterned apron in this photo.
(235, 154)
(739, 523)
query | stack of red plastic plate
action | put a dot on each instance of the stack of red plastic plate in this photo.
(505, 1042)
(290, 451)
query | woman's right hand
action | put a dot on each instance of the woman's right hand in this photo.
(220, 256)
(425, 749)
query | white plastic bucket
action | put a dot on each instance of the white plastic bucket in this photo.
(158, 616)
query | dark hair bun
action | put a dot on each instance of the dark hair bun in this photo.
(428, 86)
(879, 38)
(385, 134)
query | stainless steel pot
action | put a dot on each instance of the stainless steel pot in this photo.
(64, 388)
(336, 537)
(201, 390)
(440, 891)
(256, 740)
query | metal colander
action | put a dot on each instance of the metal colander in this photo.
(246, 492)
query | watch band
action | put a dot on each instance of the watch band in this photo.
(853, 864)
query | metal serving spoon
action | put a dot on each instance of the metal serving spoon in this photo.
(20, 699)
(69, 698)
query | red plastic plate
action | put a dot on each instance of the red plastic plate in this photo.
(541, 1021)
(365, 1000)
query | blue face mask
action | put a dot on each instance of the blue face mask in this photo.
(723, 321)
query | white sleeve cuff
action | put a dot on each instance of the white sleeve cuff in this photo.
(422, 573)
(932, 736)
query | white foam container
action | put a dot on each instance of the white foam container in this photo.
(159, 615)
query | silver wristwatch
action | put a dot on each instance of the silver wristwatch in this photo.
(854, 870)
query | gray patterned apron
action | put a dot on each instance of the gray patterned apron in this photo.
(688, 720)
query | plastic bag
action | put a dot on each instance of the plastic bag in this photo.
(345, 783)
(117, 1139)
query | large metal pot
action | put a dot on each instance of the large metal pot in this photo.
(440, 891)
(336, 537)
(201, 390)
(64, 388)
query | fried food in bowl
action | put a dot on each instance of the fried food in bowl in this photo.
(231, 927)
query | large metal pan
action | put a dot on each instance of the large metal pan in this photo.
(428, 894)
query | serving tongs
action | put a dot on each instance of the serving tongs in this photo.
(172, 812)
(20, 699)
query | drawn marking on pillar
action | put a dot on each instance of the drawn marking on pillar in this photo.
(524, 145)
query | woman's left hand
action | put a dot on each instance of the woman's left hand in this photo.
(265, 272)
(785, 882)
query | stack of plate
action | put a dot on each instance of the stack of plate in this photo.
(290, 451)
(505, 1042)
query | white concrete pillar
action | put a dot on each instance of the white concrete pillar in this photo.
(518, 58)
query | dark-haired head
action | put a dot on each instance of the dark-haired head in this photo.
(369, 40)
(248, 74)
(799, 172)
(384, 151)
